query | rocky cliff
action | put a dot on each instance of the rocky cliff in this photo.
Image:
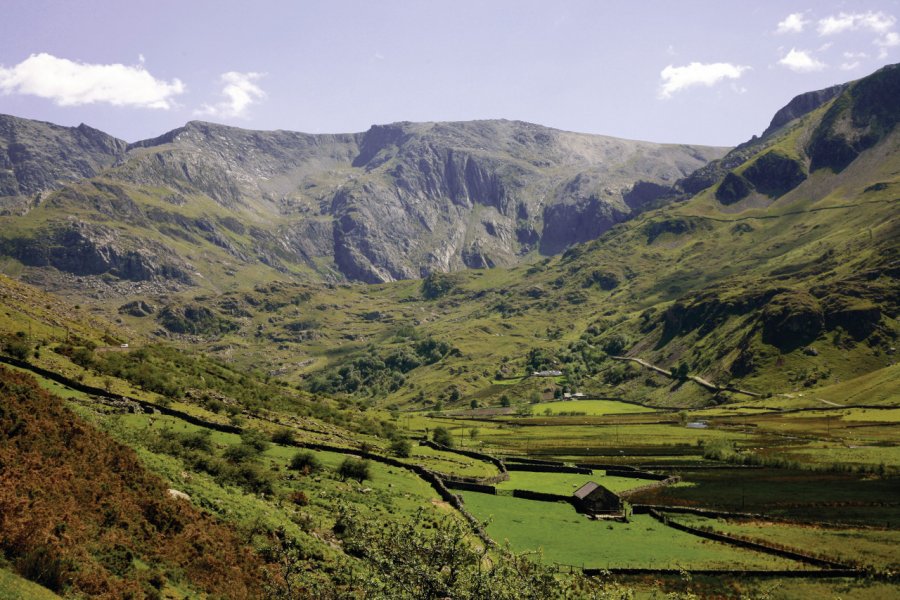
(398, 201)
(36, 157)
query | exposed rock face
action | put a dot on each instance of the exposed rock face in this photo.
(857, 120)
(801, 105)
(568, 224)
(709, 174)
(398, 201)
(84, 249)
(792, 319)
(775, 174)
(733, 188)
(137, 308)
(37, 156)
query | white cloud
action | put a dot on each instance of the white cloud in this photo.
(801, 61)
(239, 94)
(855, 55)
(891, 39)
(675, 79)
(849, 66)
(878, 22)
(69, 83)
(793, 23)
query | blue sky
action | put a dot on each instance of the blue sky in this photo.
(709, 72)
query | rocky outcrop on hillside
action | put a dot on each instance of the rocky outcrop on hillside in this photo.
(801, 105)
(864, 114)
(398, 201)
(86, 249)
(37, 157)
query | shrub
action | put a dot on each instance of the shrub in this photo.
(354, 468)
(283, 436)
(17, 347)
(240, 453)
(437, 285)
(305, 462)
(255, 439)
(401, 447)
(442, 436)
(198, 440)
(299, 498)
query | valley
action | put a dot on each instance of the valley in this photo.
(372, 360)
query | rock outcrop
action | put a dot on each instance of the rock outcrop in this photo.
(397, 201)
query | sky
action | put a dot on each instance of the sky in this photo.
(699, 72)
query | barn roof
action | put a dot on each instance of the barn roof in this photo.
(585, 490)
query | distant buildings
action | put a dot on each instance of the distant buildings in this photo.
(550, 373)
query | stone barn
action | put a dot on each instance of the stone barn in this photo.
(592, 498)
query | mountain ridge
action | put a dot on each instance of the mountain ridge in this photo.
(456, 195)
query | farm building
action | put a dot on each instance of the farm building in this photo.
(593, 498)
(550, 373)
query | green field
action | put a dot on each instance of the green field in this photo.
(569, 538)
(840, 497)
(589, 407)
(876, 548)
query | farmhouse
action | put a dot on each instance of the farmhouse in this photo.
(550, 373)
(593, 498)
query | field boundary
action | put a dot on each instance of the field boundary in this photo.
(467, 453)
(748, 544)
(536, 468)
(427, 475)
(650, 486)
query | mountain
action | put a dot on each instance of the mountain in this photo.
(205, 202)
(771, 268)
(779, 274)
(36, 157)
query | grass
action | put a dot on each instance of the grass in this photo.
(566, 537)
(875, 548)
(803, 495)
(15, 587)
(589, 407)
(389, 490)
(451, 463)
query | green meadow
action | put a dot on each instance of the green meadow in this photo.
(563, 536)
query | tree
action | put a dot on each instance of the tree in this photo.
(504, 400)
(401, 447)
(442, 436)
(354, 468)
(427, 558)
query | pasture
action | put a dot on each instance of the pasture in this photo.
(566, 537)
